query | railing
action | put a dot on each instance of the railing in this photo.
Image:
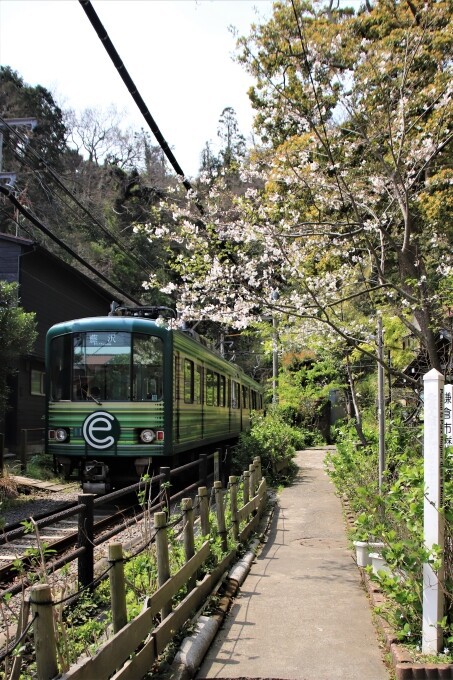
(119, 655)
(87, 503)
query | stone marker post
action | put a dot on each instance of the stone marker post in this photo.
(433, 521)
(448, 415)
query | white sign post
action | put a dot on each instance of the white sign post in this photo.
(448, 414)
(433, 521)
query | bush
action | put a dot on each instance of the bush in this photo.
(395, 517)
(271, 438)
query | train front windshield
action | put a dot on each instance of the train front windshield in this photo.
(106, 366)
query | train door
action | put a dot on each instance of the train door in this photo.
(176, 397)
(191, 405)
(199, 396)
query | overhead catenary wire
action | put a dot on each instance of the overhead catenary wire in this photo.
(119, 65)
(37, 223)
(141, 262)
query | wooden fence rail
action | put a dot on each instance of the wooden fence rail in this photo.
(118, 657)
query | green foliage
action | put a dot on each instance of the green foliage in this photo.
(271, 438)
(41, 466)
(394, 517)
(17, 335)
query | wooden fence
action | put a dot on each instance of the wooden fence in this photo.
(118, 658)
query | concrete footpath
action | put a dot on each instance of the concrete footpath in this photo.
(302, 611)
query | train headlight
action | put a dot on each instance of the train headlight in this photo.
(147, 436)
(61, 434)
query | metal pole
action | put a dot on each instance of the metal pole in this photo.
(275, 296)
(381, 405)
(274, 361)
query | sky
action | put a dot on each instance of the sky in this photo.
(179, 53)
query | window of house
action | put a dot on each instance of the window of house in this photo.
(37, 382)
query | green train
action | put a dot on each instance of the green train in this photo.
(129, 392)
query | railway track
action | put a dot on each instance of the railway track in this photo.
(58, 533)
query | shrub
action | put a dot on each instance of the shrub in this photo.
(395, 517)
(271, 438)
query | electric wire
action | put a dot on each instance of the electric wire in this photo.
(126, 78)
(37, 223)
(68, 192)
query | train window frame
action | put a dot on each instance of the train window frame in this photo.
(152, 378)
(189, 382)
(60, 371)
(235, 394)
(222, 391)
(198, 384)
(209, 387)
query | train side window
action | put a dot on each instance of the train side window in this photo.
(244, 397)
(235, 395)
(188, 381)
(198, 387)
(222, 390)
(209, 387)
(216, 389)
(176, 377)
(148, 368)
(60, 368)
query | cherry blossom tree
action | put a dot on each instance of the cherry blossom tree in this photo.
(343, 212)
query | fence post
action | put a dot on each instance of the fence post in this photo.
(44, 632)
(216, 465)
(259, 474)
(164, 485)
(233, 481)
(117, 586)
(21, 625)
(85, 539)
(252, 479)
(246, 487)
(163, 562)
(220, 510)
(203, 469)
(23, 450)
(188, 536)
(224, 466)
(433, 517)
(204, 510)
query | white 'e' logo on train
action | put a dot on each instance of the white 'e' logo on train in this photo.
(101, 430)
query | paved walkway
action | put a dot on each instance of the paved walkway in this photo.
(302, 611)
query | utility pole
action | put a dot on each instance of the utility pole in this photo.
(6, 123)
(381, 403)
(275, 297)
(9, 178)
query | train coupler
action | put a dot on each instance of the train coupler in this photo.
(95, 477)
